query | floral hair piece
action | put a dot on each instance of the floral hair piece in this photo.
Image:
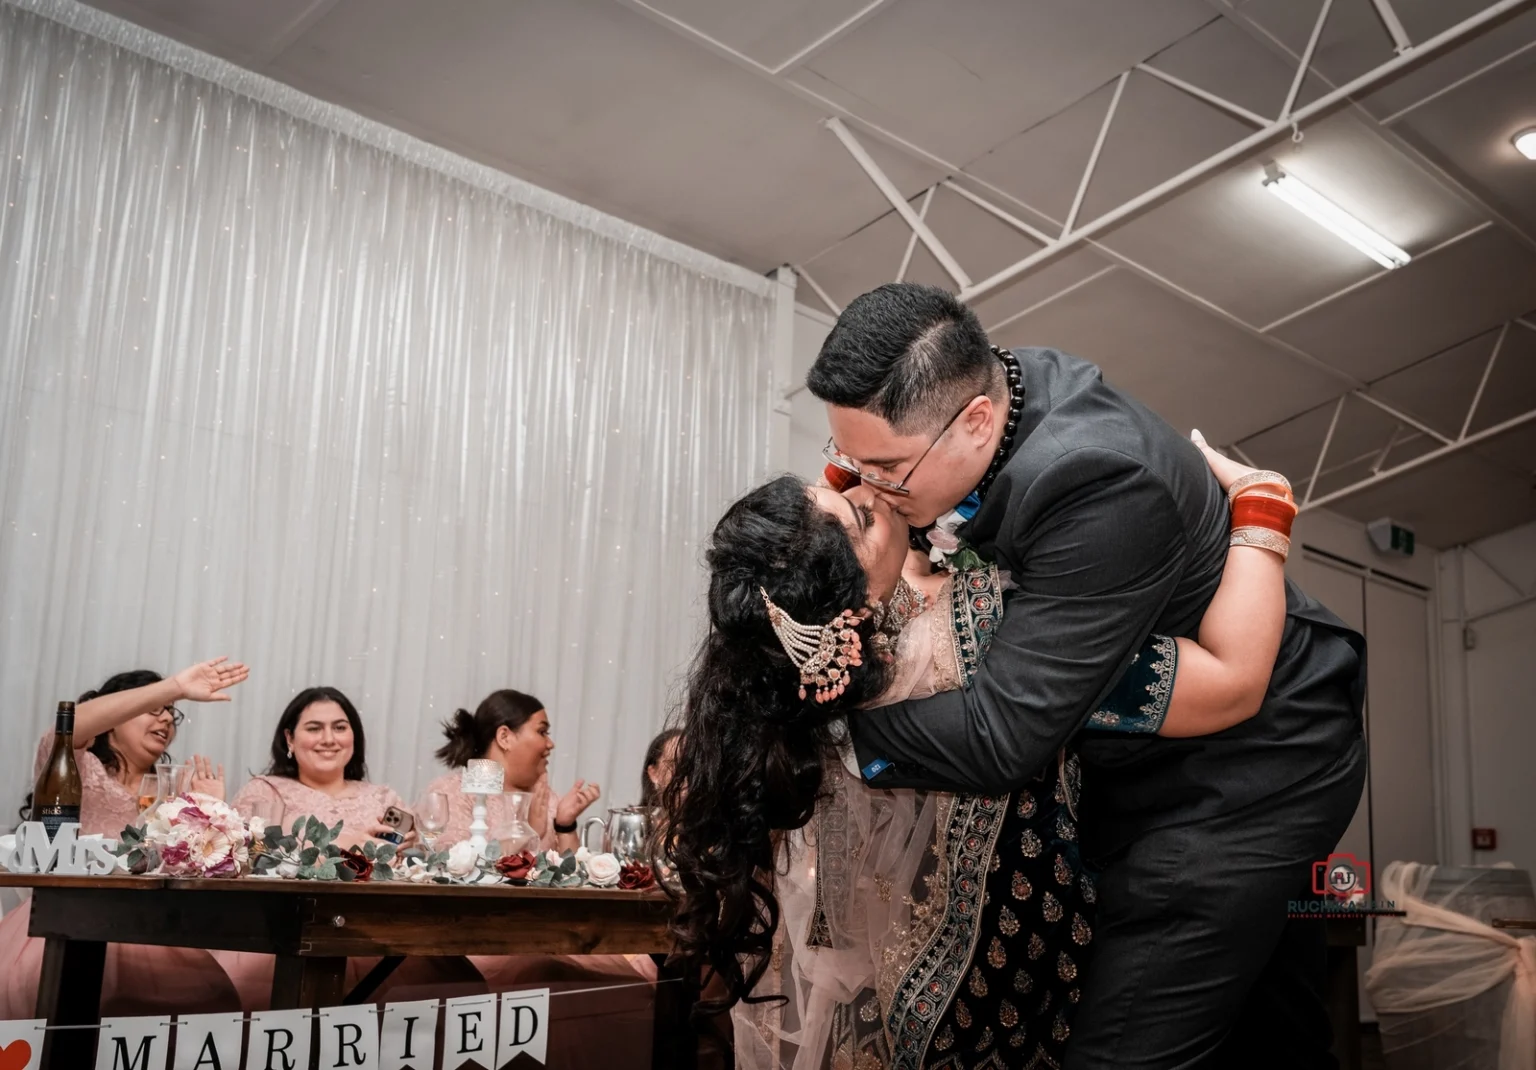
(823, 654)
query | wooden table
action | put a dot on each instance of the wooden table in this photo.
(314, 927)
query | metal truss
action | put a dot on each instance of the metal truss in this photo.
(1465, 439)
(1289, 119)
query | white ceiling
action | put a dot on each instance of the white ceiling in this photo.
(703, 119)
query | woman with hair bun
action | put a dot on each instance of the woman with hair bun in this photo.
(512, 729)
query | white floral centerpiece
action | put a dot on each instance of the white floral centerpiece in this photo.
(189, 835)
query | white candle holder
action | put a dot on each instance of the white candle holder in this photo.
(481, 777)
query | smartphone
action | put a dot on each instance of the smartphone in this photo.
(399, 820)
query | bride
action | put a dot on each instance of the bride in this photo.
(851, 927)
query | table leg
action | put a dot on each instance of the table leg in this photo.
(674, 1040)
(69, 993)
(312, 981)
(1344, 1006)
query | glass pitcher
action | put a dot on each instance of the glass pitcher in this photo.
(516, 834)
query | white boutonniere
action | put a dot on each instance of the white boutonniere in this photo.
(948, 549)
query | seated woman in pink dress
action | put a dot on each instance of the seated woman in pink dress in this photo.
(510, 728)
(319, 769)
(121, 731)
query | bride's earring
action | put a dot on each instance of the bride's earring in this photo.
(290, 750)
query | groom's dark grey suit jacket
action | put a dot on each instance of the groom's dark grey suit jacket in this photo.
(1112, 528)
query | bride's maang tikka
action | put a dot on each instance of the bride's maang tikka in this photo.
(823, 653)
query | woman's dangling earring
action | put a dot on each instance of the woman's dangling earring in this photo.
(290, 750)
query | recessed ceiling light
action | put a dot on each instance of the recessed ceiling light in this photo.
(1332, 218)
(1525, 141)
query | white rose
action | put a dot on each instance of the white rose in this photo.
(552, 857)
(289, 869)
(463, 859)
(582, 856)
(603, 871)
(416, 871)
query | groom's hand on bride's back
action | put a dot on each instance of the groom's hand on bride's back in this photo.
(1097, 548)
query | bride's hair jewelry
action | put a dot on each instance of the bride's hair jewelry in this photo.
(824, 653)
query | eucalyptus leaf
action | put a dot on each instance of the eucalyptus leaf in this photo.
(309, 856)
(568, 865)
(313, 830)
(344, 874)
(570, 881)
(298, 828)
(272, 834)
(370, 852)
(386, 852)
(288, 843)
(306, 873)
(383, 872)
(327, 871)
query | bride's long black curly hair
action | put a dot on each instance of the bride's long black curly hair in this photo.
(751, 756)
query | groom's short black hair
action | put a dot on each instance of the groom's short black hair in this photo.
(909, 354)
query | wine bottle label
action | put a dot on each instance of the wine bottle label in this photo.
(54, 816)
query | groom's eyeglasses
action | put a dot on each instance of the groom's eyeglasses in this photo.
(846, 463)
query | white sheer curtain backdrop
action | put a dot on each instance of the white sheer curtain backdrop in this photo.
(281, 383)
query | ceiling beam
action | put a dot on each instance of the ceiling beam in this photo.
(1253, 118)
(1420, 461)
(1332, 99)
(1460, 185)
(815, 286)
(826, 40)
(1457, 84)
(1394, 25)
(1373, 277)
(922, 155)
(898, 202)
(922, 213)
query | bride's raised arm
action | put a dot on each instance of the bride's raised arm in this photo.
(1221, 680)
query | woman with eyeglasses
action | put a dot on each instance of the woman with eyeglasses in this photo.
(122, 730)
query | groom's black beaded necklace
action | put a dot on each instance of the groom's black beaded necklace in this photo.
(1011, 428)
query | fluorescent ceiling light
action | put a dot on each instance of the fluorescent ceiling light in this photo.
(1332, 218)
(1525, 141)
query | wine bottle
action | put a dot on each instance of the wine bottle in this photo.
(56, 798)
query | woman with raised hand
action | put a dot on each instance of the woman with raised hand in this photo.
(123, 730)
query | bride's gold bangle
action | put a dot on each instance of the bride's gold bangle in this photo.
(1254, 479)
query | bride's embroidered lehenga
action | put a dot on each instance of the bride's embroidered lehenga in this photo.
(932, 930)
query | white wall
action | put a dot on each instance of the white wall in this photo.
(808, 417)
(1489, 595)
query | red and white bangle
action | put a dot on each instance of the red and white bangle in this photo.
(1262, 518)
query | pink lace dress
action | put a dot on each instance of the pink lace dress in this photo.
(281, 800)
(138, 979)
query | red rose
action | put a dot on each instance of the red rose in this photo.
(636, 876)
(515, 867)
(354, 859)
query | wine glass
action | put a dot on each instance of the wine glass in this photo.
(432, 816)
(149, 793)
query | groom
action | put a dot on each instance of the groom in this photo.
(1112, 527)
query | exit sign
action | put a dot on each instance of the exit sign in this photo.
(1391, 538)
